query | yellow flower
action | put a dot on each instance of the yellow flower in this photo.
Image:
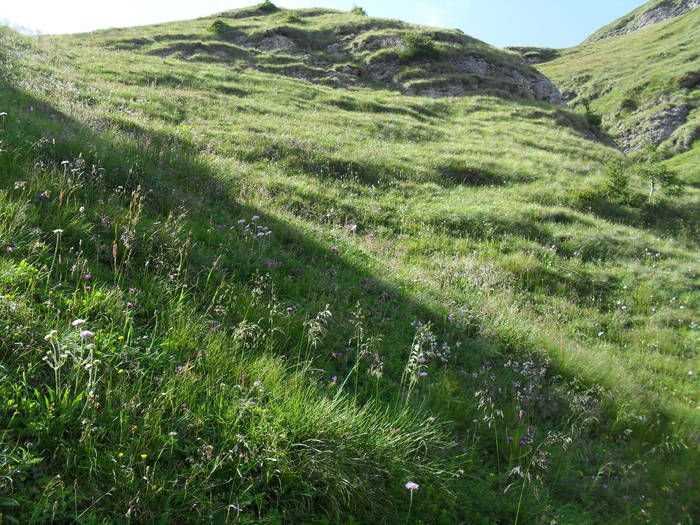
(120, 455)
(144, 456)
(120, 371)
(120, 338)
(50, 292)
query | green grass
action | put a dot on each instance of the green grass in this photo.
(434, 284)
(628, 80)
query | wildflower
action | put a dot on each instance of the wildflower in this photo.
(412, 486)
(129, 304)
(335, 249)
(183, 405)
(290, 309)
(81, 209)
(43, 195)
(51, 334)
(120, 455)
(423, 374)
(58, 231)
(241, 221)
(334, 379)
(257, 384)
(510, 438)
(88, 366)
(120, 338)
(88, 288)
(88, 276)
(522, 443)
(10, 249)
(77, 322)
(690, 372)
(172, 434)
(120, 371)
(254, 218)
(144, 456)
(86, 335)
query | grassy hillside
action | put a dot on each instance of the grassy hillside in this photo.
(235, 296)
(644, 85)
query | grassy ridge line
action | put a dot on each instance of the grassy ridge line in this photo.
(255, 171)
(631, 18)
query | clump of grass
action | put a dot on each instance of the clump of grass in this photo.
(356, 10)
(419, 46)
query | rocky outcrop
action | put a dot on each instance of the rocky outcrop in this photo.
(641, 19)
(656, 128)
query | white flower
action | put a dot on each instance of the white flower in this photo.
(51, 334)
(58, 231)
(255, 218)
(81, 209)
(412, 486)
(86, 334)
(77, 322)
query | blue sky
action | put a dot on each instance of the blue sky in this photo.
(554, 23)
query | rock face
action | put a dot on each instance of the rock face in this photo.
(656, 128)
(639, 20)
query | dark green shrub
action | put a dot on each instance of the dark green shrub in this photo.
(267, 7)
(294, 19)
(594, 120)
(358, 11)
(616, 187)
(419, 47)
(628, 104)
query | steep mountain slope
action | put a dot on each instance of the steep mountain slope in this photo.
(644, 16)
(645, 85)
(234, 295)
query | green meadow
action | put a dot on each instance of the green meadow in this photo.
(235, 296)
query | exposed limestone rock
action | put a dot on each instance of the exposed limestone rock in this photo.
(656, 128)
(274, 42)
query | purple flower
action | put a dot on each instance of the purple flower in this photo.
(335, 249)
(86, 335)
(88, 276)
(184, 405)
(522, 443)
(10, 249)
(510, 438)
(41, 196)
(129, 304)
(180, 368)
(412, 486)
(423, 374)
(88, 288)
(290, 309)
(334, 378)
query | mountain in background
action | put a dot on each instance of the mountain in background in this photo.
(646, 15)
(640, 76)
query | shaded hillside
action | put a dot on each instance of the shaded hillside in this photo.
(651, 13)
(341, 50)
(645, 85)
(237, 296)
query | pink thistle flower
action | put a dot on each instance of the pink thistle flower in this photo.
(86, 335)
(412, 486)
(335, 249)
